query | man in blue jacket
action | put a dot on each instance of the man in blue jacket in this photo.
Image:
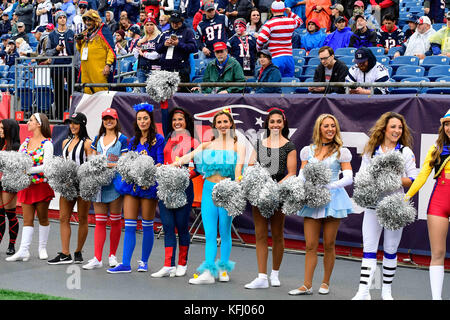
(314, 38)
(341, 37)
(268, 72)
(175, 45)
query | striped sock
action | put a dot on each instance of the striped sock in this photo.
(2, 223)
(115, 232)
(99, 235)
(147, 241)
(389, 268)
(129, 241)
(13, 225)
(368, 266)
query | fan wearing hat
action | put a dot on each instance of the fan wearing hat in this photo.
(438, 213)
(11, 53)
(135, 34)
(358, 10)
(440, 43)
(5, 24)
(337, 10)
(243, 47)
(267, 73)
(340, 38)
(412, 23)
(96, 47)
(121, 44)
(21, 33)
(419, 43)
(224, 68)
(362, 35)
(78, 25)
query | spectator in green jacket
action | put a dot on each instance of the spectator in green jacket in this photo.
(224, 68)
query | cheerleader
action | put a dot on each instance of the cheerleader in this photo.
(146, 142)
(438, 157)
(36, 198)
(279, 155)
(76, 147)
(390, 132)
(222, 157)
(178, 128)
(327, 148)
(111, 143)
(9, 141)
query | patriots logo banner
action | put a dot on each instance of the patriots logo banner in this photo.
(356, 115)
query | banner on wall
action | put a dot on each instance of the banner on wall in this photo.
(356, 115)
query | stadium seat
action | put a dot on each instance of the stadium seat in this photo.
(200, 66)
(313, 62)
(125, 66)
(345, 52)
(4, 81)
(308, 72)
(440, 90)
(408, 71)
(129, 80)
(384, 60)
(314, 52)
(405, 60)
(438, 72)
(299, 61)
(4, 68)
(348, 60)
(392, 51)
(377, 51)
(443, 79)
(289, 90)
(298, 53)
(44, 98)
(298, 70)
(432, 61)
(438, 26)
(411, 90)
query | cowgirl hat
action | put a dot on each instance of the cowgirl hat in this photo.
(446, 117)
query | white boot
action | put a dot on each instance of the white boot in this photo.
(43, 238)
(24, 251)
(368, 267)
(205, 278)
(436, 281)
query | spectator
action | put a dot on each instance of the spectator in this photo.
(237, 9)
(78, 24)
(362, 36)
(213, 28)
(41, 36)
(255, 24)
(145, 51)
(268, 72)
(381, 8)
(314, 38)
(21, 33)
(121, 47)
(277, 34)
(61, 43)
(151, 7)
(97, 55)
(11, 53)
(339, 38)
(411, 21)
(124, 24)
(337, 10)
(23, 48)
(129, 6)
(223, 68)
(166, 8)
(176, 45)
(358, 10)
(43, 13)
(4, 41)
(330, 69)
(14, 22)
(419, 43)
(164, 24)
(389, 35)
(69, 8)
(435, 10)
(320, 10)
(440, 41)
(24, 12)
(110, 22)
(5, 24)
(243, 47)
(198, 17)
(367, 69)
(297, 7)
(135, 34)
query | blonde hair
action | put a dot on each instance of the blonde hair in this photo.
(317, 135)
(156, 32)
(377, 132)
(442, 140)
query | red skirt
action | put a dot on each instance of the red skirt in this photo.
(40, 192)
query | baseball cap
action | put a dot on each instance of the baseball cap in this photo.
(83, 4)
(339, 19)
(208, 6)
(359, 16)
(110, 112)
(38, 29)
(150, 19)
(219, 46)
(6, 36)
(446, 117)
(135, 29)
(176, 17)
(359, 3)
(361, 55)
(447, 15)
(50, 27)
(338, 6)
(78, 118)
(278, 6)
(424, 19)
(20, 24)
(266, 53)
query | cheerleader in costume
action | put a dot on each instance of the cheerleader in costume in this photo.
(146, 142)
(438, 157)
(9, 141)
(111, 143)
(37, 197)
(390, 132)
(327, 148)
(178, 128)
(76, 147)
(222, 157)
(276, 153)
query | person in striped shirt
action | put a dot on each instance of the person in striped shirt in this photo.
(276, 34)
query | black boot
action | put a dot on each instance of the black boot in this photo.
(11, 250)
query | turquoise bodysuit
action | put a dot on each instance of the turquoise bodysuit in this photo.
(210, 162)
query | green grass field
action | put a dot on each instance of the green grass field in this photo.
(21, 295)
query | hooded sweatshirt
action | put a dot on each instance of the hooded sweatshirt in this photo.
(339, 39)
(418, 43)
(313, 40)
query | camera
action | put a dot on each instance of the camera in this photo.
(79, 36)
(173, 37)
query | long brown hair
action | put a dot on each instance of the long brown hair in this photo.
(102, 131)
(151, 134)
(442, 140)
(317, 136)
(233, 125)
(45, 125)
(377, 132)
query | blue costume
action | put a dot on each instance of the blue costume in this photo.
(340, 205)
(210, 162)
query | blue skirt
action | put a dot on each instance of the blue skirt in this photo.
(339, 207)
(124, 188)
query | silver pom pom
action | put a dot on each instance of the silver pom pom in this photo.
(366, 192)
(317, 176)
(268, 199)
(394, 212)
(93, 174)
(317, 173)
(15, 166)
(62, 176)
(162, 85)
(292, 195)
(125, 165)
(172, 185)
(143, 171)
(253, 179)
(228, 194)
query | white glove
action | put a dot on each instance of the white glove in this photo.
(346, 180)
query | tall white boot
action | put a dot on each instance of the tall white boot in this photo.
(368, 267)
(24, 251)
(436, 281)
(43, 238)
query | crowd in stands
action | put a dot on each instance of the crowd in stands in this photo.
(241, 40)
